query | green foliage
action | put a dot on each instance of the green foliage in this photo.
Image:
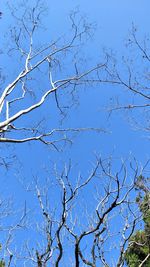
(145, 209)
(138, 249)
(139, 243)
(2, 263)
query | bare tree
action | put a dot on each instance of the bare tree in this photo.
(130, 73)
(77, 233)
(40, 75)
(70, 231)
(15, 103)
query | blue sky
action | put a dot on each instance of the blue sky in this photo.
(113, 21)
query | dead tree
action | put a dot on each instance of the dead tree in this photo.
(75, 237)
(72, 229)
(18, 101)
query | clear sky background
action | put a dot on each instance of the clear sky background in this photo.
(113, 21)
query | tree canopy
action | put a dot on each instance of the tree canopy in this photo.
(138, 252)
